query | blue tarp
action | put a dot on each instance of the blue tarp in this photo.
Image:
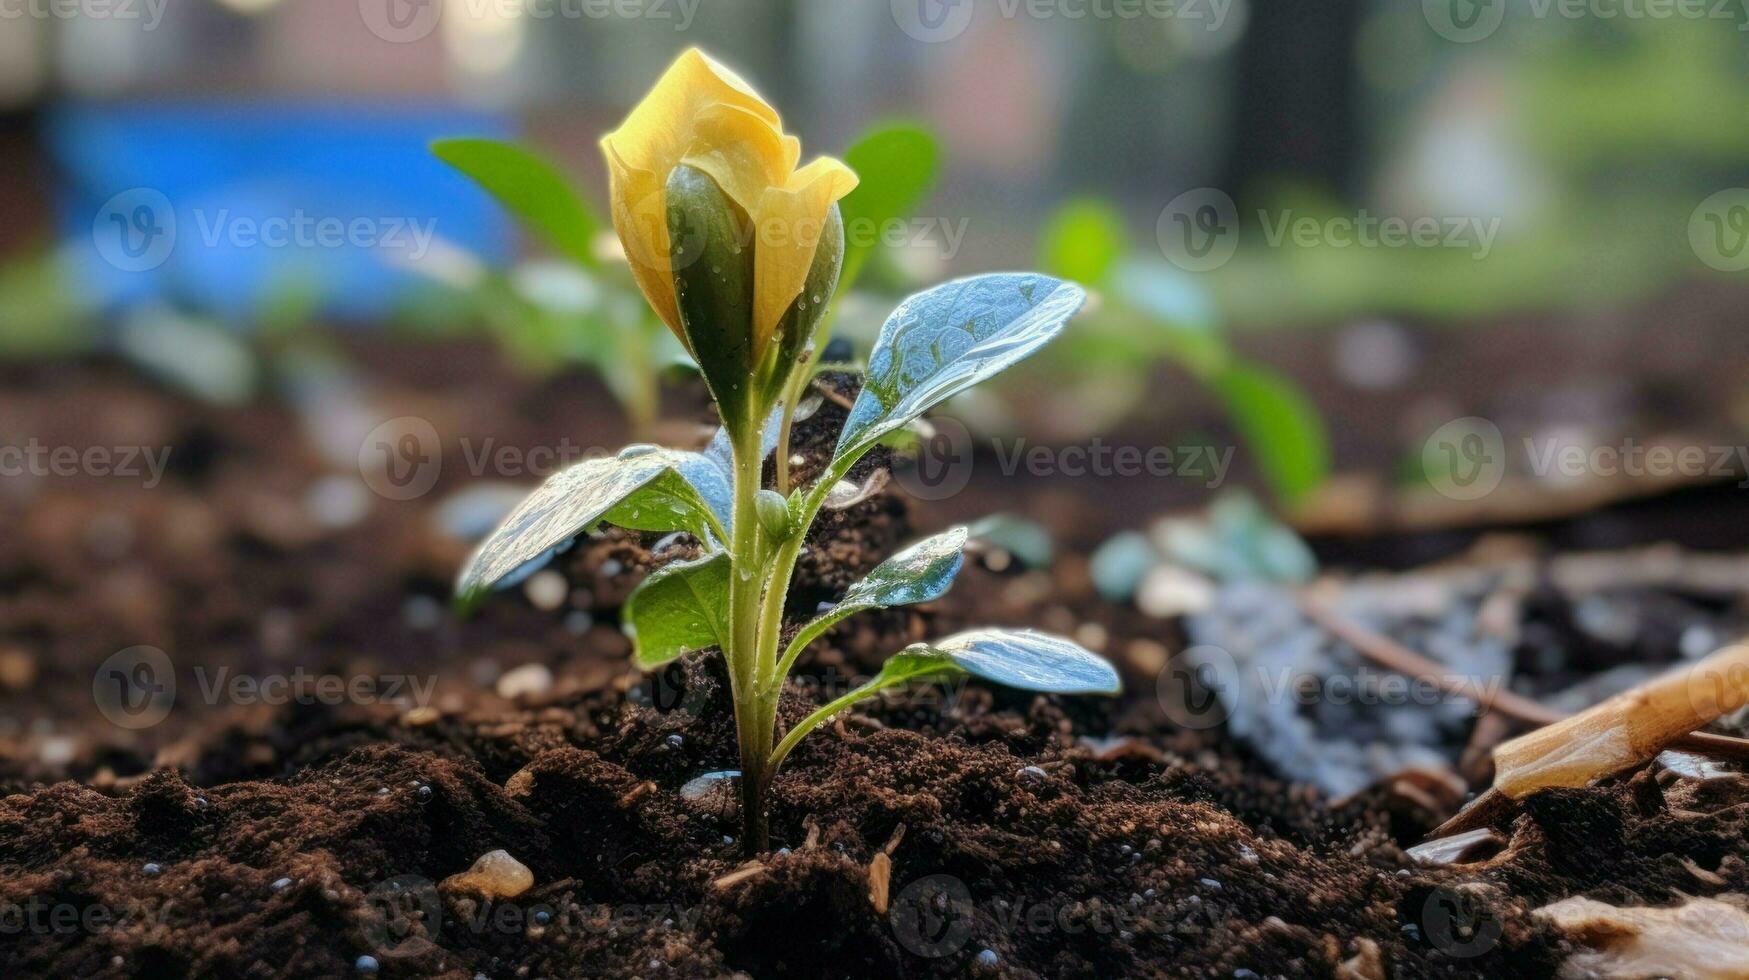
(219, 206)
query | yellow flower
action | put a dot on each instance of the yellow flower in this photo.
(703, 115)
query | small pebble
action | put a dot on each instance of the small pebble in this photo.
(526, 680)
(1032, 772)
(495, 875)
(988, 959)
(674, 741)
(612, 567)
(366, 964)
(1212, 884)
(546, 590)
(424, 793)
(280, 884)
(153, 869)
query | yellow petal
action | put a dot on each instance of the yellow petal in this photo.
(640, 217)
(660, 130)
(741, 151)
(788, 223)
(647, 146)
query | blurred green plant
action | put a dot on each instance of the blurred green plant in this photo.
(1151, 312)
(584, 310)
(42, 315)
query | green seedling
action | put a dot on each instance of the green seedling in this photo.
(708, 158)
(1150, 313)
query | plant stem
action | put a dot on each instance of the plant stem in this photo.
(743, 653)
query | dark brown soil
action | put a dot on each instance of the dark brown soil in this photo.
(1023, 835)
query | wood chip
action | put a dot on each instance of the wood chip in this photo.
(1703, 938)
(1625, 731)
(880, 873)
(892, 843)
(735, 877)
(1462, 848)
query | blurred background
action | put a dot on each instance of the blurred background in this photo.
(1320, 234)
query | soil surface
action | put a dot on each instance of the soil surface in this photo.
(953, 831)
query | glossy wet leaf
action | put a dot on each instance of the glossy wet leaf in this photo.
(646, 488)
(921, 573)
(680, 608)
(529, 188)
(944, 340)
(1083, 241)
(896, 164)
(1280, 426)
(1023, 659)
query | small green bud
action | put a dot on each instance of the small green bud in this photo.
(796, 331)
(773, 512)
(713, 285)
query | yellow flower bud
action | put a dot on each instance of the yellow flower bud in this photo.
(704, 116)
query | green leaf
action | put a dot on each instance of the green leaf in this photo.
(1083, 241)
(646, 488)
(1025, 539)
(944, 340)
(1023, 659)
(1238, 541)
(530, 188)
(921, 573)
(680, 608)
(895, 165)
(1281, 426)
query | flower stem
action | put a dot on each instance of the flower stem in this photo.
(742, 654)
